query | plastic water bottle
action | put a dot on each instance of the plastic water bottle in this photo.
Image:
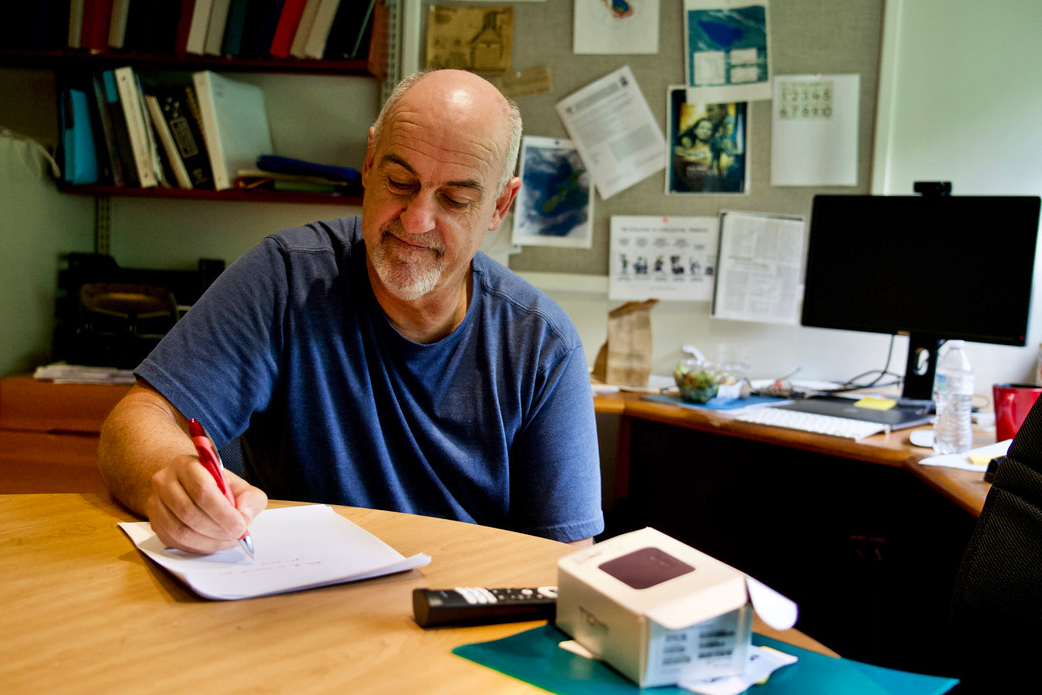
(952, 397)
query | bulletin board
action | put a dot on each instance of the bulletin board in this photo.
(807, 37)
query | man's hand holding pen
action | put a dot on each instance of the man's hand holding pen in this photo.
(188, 509)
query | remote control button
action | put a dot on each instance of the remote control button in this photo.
(547, 591)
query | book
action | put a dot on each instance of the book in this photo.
(35, 26)
(127, 86)
(307, 20)
(159, 165)
(75, 34)
(349, 24)
(173, 156)
(215, 29)
(79, 156)
(234, 27)
(120, 131)
(267, 22)
(113, 166)
(118, 23)
(316, 45)
(152, 26)
(96, 17)
(175, 104)
(184, 25)
(196, 42)
(251, 179)
(361, 47)
(286, 28)
(235, 124)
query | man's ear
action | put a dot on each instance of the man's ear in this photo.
(506, 197)
(367, 163)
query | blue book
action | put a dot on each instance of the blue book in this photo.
(235, 25)
(80, 161)
(286, 165)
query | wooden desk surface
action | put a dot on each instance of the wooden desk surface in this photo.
(84, 611)
(967, 489)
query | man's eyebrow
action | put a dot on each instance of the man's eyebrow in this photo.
(472, 184)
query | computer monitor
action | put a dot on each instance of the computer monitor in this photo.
(933, 267)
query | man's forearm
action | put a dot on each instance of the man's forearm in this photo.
(141, 434)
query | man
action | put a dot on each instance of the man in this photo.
(380, 362)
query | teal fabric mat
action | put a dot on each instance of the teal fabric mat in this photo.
(534, 657)
(716, 403)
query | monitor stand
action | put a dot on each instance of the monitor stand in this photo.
(920, 368)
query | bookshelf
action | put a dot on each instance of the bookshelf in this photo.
(376, 64)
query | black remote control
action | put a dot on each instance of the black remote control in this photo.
(478, 605)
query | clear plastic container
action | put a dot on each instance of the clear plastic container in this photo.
(953, 400)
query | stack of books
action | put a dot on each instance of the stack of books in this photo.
(315, 29)
(122, 130)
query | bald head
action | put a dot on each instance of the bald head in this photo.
(461, 101)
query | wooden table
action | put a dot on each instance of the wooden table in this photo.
(81, 610)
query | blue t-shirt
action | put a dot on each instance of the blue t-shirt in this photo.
(492, 424)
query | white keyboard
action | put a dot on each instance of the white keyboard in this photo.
(813, 422)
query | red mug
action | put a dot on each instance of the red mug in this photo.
(1012, 403)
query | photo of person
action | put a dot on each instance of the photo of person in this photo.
(707, 145)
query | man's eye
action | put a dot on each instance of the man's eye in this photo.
(398, 185)
(456, 203)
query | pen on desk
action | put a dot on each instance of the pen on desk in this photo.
(211, 460)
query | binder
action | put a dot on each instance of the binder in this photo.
(80, 157)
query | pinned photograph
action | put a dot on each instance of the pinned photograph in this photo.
(555, 204)
(707, 145)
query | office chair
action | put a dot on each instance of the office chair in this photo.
(996, 614)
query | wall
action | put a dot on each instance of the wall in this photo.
(950, 73)
(37, 223)
(963, 106)
(971, 58)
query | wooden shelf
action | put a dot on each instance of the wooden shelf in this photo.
(225, 196)
(189, 62)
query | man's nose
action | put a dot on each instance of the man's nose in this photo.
(418, 215)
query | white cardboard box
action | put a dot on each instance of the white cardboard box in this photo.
(658, 610)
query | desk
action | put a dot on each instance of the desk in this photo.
(84, 611)
(846, 528)
(966, 489)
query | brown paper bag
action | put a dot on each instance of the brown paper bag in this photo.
(625, 359)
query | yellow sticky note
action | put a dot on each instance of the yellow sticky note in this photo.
(873, 403)
(980, 459)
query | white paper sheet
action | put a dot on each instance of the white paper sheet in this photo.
(814, 130)
(612, 126)
(759, 273)
(607, 28)
(763, 661)
(962, 461)
(662, 258)
(296, 548)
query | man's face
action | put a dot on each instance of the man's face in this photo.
(430, 196)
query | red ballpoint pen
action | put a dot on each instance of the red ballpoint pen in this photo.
(211, 460)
